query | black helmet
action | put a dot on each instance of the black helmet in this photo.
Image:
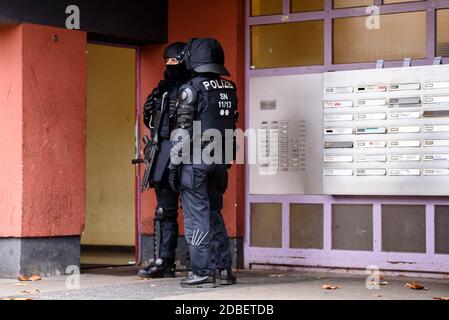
(174, 50)
(204, 56)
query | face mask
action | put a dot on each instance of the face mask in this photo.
(177, 73)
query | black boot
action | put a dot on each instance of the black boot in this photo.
(196, 281)
(161, 270)
(227, 278)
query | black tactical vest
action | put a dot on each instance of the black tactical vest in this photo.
(216, 104)
(216, 109)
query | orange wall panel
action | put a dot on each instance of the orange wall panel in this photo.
(10, 131)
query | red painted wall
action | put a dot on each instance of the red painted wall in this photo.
(223, 20)
(10, 131)
(54, 131)
(42, 131)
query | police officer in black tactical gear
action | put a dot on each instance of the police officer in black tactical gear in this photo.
(166, 219)
(200, 160)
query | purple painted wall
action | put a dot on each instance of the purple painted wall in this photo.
(328, 258)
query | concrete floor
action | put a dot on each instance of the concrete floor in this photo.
(121, 284)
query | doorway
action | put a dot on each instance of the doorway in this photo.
(109, 238)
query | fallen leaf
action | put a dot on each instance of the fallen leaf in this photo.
(29, 292)
(329, 287)
(382, 283)
(32, 278)
(378, 296)
(35, 278)
(441, 298)
(415, 286)
(21, 284)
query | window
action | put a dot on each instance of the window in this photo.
(340, 4)
(288, 44)
(266, 7)
(443, 33)
(306, 5)
(401, 35)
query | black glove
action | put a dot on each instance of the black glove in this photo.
(173, 177)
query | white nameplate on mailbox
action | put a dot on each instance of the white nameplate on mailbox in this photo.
(409, 129)
(405, 158)
(405, 86)
(405, 102)
(371, 88)
(371, 144)
(371, 116)
(436, 172)
(404, 172)
(339, 90)
(339, 117)
(405, 144)
(436, 143)
(436, 85)
(371, 158)
(339, 131)
(374, 130)
(430, 129)
(339, 104)
(338, 172)
(437, 99)
(371, 172)
(338, 159)
(436, 157)
(404, 115)
(372, 103)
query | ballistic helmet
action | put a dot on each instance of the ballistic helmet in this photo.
(205, 56)
(174, 50)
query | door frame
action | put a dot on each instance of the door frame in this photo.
(137, 198)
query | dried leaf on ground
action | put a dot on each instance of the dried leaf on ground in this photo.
(415, 286)
(21, 284)
(441, 298)
(32, 278)
(29, 291)
(329, 287)
(382, 283)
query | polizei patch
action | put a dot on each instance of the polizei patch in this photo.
(218, 84)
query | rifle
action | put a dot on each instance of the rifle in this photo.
(152, 147)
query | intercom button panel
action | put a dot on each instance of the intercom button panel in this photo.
(286, 157)
(400, 133)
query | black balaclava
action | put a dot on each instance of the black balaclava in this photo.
(177, 73)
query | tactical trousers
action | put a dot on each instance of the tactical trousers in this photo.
(168, 200)
(202, 189)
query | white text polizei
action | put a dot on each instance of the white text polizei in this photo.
(218, 84)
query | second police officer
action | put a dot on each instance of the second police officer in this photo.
(206, 120)
(166, 219)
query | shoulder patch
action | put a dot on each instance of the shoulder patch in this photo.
(216, 84)
(187, 95)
